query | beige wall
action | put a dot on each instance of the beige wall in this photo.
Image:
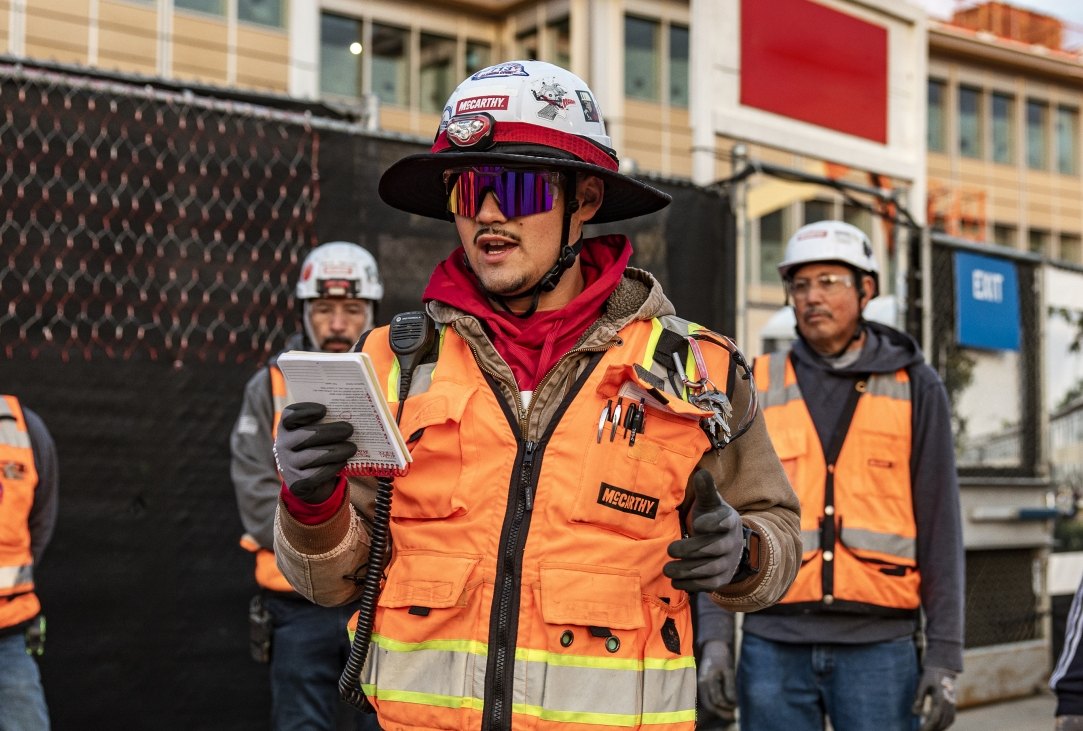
(656, 136)
(56, 30)
(127, 37)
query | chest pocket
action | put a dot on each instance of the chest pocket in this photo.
(791, 446)
(883, 483)
(434, 419)
(635, 489)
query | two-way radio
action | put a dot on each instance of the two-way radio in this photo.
(411, 336)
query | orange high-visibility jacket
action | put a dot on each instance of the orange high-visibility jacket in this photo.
(18, 481)
(857, 517)
(525, 588)
(267, 573)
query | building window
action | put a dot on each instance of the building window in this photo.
(772, 240)
(478, 56)
(340, 55)
(1071, 248)
(678, 65)
(857, 216)
(1037, 142)
(1004, 235)
(818, 211)
(527, 43)
(437, 68)
(391, 64)
(214, 7)
(1038, 241)
(642, 59)
(558, 43)
(1067, 131)
(935, 127)
(1003, 128)
(969, 121)
(264, 12)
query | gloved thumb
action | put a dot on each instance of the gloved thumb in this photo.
(710, 513)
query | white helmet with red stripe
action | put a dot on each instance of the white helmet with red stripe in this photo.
(339, 269)
(519, 114)
(825, 241)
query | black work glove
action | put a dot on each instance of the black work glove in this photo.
(717, 679)
(938, 686)
(310, 454)
(708, 559)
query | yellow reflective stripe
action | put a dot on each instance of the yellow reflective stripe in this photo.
(393, 381)
(604, 663)
(428, 699)
(652, 343)
(391, 645)
(605, 719)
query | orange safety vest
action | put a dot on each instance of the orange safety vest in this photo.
(18, 482)
(525, 589)
(857, 514)
(267, 573)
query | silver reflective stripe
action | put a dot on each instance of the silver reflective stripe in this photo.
(9, 428)
(778, 393)
(885, 384)
(556, 687)
(12, 576)
(810, 540)
(280, 401)
(887, 543)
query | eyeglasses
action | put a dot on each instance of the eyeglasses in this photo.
(518, 192)
(829, 284)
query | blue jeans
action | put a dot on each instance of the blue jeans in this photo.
(792, 687)
(22, 698)
(308, 653)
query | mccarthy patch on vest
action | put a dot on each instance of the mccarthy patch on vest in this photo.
(627, 501)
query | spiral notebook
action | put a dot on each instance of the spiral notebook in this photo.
(346, 383)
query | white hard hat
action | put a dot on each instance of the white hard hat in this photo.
(829, 241)
(521, 114)
(339, 269)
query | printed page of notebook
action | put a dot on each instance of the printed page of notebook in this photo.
(347, 385)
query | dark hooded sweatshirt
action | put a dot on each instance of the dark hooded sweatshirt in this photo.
(935, 492)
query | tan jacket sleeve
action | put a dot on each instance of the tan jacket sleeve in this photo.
(316, 559)
(751, 479)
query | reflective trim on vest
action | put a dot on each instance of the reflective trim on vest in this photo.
(279, 397)
(268, 575)
(873, 558)
(19, 482)
(16, 579)
(567, 688)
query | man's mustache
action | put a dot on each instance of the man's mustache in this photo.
(494, 231)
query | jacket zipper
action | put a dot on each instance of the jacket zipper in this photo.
(500, 667)
(498, 700)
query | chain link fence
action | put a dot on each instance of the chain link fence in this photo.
(142, 222)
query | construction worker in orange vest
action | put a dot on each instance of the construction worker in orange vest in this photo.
(29, 485)
(562, 423)
(305, 644)
(863, 427)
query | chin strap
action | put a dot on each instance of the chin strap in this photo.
(566, 258)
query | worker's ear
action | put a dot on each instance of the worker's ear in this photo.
(867, 290)
(589, 191)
